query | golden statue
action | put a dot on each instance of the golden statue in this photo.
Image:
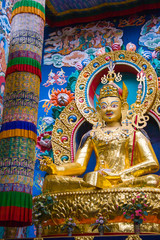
(124, 156)
(125, 159)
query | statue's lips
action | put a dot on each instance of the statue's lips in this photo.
(109, 114)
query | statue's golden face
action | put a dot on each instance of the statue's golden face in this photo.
(110, 109)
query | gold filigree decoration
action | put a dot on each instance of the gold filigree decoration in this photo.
(108, 91)
(133, 237)
(61, 134)
(38, 238)
(90, 72)
(156, 105)
(62, 138)
(88, 204)
(67, 114)
(111, 75)
(108, 136)
(78, 204)
(84, 238)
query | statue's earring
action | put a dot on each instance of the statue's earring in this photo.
(101, 122)
(125, 106)
(124, 110)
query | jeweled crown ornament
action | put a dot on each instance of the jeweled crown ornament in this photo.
(109, 89)
(111, 75)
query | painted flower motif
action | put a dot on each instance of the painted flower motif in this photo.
(100, 51)
(116, 46)
(131, 47)
(79, 66)
(61, 97)
(44, 141)
(154, 54)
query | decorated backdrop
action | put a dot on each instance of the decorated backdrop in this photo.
(69, 49)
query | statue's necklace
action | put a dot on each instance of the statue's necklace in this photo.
(109, 135)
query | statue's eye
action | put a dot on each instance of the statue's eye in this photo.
(114, 105)
(104, 106)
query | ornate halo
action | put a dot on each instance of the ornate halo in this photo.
(125, 61)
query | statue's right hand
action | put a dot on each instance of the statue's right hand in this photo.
(47, 165)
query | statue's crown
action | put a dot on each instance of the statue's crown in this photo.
(108, 91)
(111, 75)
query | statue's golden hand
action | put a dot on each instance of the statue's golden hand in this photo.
(46, 164)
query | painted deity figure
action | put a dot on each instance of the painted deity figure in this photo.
(122, 159)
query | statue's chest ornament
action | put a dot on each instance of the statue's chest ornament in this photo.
(103, 134)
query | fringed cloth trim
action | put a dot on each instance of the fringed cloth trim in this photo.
(15, 209)
(19, 124)
(24, 68)
(28, 7)
(18, 133)
(24, 60)
(98, 13)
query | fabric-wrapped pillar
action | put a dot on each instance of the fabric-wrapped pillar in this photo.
(18, 132)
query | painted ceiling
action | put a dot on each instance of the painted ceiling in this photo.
(66, 12)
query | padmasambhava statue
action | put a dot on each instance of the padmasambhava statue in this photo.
(124, 156)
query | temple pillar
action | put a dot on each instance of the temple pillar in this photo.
(18, 132)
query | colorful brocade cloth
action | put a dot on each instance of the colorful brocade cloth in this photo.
(19, 132)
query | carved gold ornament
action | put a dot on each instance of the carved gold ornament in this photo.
(90, 76)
